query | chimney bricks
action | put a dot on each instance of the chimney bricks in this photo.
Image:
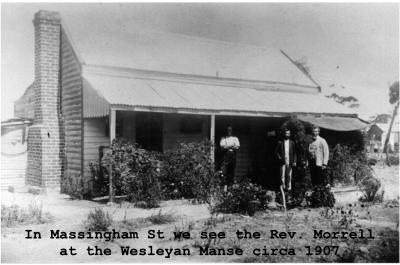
(44, 138)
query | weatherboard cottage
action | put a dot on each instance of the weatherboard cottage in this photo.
(103, 81)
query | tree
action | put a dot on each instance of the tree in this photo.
(393, 99)
(380, 118)
(351, 101)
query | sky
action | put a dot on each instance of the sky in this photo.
(351, 49)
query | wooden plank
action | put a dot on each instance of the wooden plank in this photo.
(72, 123)
(72, 133)
(74, 128)
(77, 106)
(113, 122)
(98, 140)
(100, 131)
(73, 148)
(72, 89)
(212, 137)
(71, 74)
(68, 100)
(74, 162)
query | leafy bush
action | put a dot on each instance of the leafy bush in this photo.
(394, 159)
(188, 172)
(98, 220)
(99, 179)
(72, 185)
(339, 169)
(244, 198)
(135, 171)
(369, 187)
(322, 196)
(347, 166)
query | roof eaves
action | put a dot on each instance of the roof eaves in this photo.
(135, 107)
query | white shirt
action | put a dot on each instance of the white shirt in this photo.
(286, 145)
(319, 151)
(230, 142)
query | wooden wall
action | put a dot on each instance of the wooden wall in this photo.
(13, 157)
(94, 136)
(71, 111)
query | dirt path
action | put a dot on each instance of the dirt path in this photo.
(70, 214)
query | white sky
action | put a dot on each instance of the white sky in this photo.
(354, 45)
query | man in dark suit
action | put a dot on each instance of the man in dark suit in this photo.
(286, 153)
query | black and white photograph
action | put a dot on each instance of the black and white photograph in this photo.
(218, 132)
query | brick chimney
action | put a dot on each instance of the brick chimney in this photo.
(45, 137)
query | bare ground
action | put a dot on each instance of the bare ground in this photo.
(69, 215)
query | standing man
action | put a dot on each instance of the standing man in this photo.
(286, 154)
(229, 145)
(318, 157)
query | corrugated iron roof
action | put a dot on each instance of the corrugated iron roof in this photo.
(107, 42)
(165, 95)
(335, 123)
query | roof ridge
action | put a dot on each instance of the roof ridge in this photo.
(204, 39)
(195, 79)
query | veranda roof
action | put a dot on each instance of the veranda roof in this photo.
(151, 94)
(335, 123)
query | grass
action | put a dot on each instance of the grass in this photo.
(161, 218)
(383, 249)
(14, 215)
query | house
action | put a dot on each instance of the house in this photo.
(103, 81)
(376, 135)
(14, 152)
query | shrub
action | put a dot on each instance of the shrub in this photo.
(146, 177)
(347, 166)
(244, 198)
(14, 214)
(394, 159)
(98, 220)
(188, 172)
(135, 171)
(99, 179)
(369, 187)
(161, 218)
(340, 169)
(72, 185)
(295, 198)
(322, 196)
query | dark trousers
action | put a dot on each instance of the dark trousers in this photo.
(316, 174)
(229, 166)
